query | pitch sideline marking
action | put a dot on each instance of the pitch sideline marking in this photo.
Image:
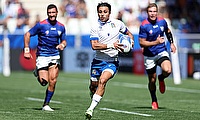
(145, 86)
(127, 112)
(41, 100)
(133, 85)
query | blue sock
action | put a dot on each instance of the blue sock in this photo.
(48, 97)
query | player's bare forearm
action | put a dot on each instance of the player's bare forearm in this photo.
(145, 43)
(98, 46)
(173, 48)
(130, 35)
(26, 39)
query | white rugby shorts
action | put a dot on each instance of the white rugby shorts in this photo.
(150, 62)
(42, 61)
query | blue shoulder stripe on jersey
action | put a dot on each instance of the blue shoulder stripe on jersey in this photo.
(125, 31)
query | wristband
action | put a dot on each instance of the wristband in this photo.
(110, 45)
(169, 37)
(63, 45)
(26, 50)
(132, 43)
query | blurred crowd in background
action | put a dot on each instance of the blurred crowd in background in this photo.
(182, 15)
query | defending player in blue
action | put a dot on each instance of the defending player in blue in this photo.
(151, 38)
(51, 39)
(104, 40)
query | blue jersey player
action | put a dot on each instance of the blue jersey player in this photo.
(104, 40)
(151, 38)
(51, 39)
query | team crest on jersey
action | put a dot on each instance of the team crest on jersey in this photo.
(151, 31)
(94, 71)
(162, 28)
(100, 28)
(47, 32)
(112, 25)
(59, 32)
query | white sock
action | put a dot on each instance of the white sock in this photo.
(95, 100)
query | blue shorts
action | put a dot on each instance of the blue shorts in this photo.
(99, 66)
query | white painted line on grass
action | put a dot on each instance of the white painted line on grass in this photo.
(4, 112)
(41, 100)
(132, 85)
(127, 112)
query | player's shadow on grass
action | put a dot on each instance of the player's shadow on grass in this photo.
(38, 108)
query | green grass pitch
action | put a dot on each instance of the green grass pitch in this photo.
(126, 98)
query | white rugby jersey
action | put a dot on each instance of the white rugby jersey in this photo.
(107, 32)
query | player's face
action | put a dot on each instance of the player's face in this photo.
(103, 13)
(52, 14)
(152, 13)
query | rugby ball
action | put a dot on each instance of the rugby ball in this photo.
(126, 41)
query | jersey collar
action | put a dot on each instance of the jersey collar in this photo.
(102, 23)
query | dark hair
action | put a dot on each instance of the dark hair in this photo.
(102, 4)
(50, 6)
(152, 5)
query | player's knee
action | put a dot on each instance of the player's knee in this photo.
(102, 82)
(167, 71)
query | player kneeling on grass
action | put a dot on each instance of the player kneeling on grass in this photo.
(51, 39)
(104, 40)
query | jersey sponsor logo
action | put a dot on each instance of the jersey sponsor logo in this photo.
(53, 28)
(155, 26)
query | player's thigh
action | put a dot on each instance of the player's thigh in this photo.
(106, 75)
(166, 65)
(43, 74)
(53, 72)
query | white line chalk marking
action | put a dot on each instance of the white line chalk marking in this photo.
(41, 100)
(127, 112)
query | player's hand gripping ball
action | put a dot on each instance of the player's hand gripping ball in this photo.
(126, 41)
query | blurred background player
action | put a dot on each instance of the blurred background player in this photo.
(104, 40)
(151, 38)
(51, 39)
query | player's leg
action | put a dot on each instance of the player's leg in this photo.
(95, 74)
(151, 66)
(152, 87)
(99, 93)
(41, 71)
(107, 73)
(53, 74)
(165, 65)
(43, 76)
(93, 86)
(166, 68)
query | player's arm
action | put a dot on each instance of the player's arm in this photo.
(62, 45)
(27, 54)
(131, 36)
(144, 43)
(99, 46)
(63, 42)
(170, 39)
